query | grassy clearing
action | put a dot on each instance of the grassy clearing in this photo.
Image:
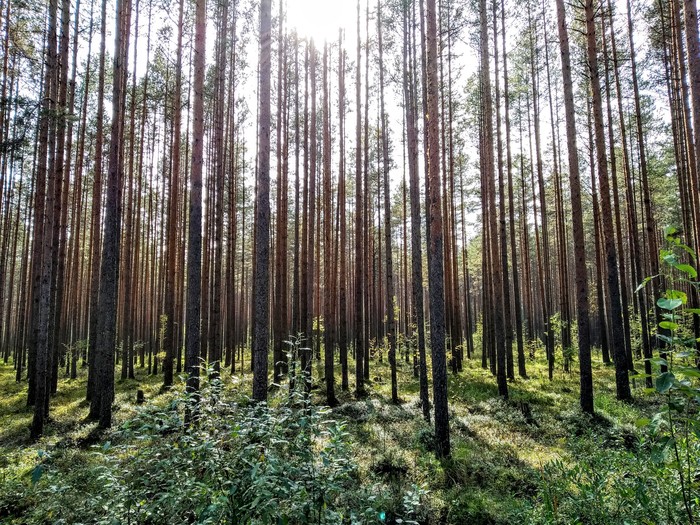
(499, 448)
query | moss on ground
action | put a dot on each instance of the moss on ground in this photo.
(499, 448)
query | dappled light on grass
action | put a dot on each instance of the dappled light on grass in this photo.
(501, 449)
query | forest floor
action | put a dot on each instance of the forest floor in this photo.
(500, 449)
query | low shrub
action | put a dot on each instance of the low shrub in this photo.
(238, 462)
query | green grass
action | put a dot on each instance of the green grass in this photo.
(499, 448)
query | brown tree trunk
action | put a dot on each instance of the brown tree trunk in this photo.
(342, 286)
(502, 238)
(618, 343)
(96, 224)
(492, 217)
(511, 209)
(39, 368)
(418, 319)
(359, 227)
(194, 241)
(261, 255)
(435, 264)
(582, 307)
(329, 276)
(388, 255)
(109, 272)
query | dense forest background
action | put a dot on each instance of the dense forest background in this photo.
(197, 191)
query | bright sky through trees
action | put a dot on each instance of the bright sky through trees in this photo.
(320, 19)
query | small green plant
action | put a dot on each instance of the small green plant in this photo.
(603, 487)
(675, 429)
(558, 327)
(241, 462)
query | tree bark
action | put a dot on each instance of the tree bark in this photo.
(435, 264)
(582, 307)
(618, 343)
(261, 255)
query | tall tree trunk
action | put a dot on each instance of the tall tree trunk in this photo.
(194, 241)
(43, 246)
(215, 330)
(490, 184)
(582, 307)
(632, 222)
(359, 226)
(418, 319)
(692, 39)
(342, 295)
(503, 241)
(544, 262)
(328, 262)
(435, 264)
(261, 255)
(127, 368)
(96, 224)
(109, 271)
(388, 255)
(280, 297)
(511, 208)
(652, 243)
(621, 364)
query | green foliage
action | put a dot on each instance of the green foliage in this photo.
(559, 326)
(239, 462)
(604, 487)
(473, 509)
(674, 431)
(651, 474)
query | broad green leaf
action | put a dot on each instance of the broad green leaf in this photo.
(671, 259)
(689, 251)
(669, 304)
(666, 339)
(687, 269)
(689, 371)
(37, 473)
(658, 361)
(664, 382)
(677, 294)
(671, 233)
(642, 422)
(695, 311)
(668, 325)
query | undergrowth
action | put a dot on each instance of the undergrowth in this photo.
(535, 459)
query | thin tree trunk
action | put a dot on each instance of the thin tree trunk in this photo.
(261, 256)
(359, 227)
(109, 272)
(582, 307)
(194, 241)
(618, 343)
(328, 262)
(418, 319)
(388, 255)
(435, 264)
